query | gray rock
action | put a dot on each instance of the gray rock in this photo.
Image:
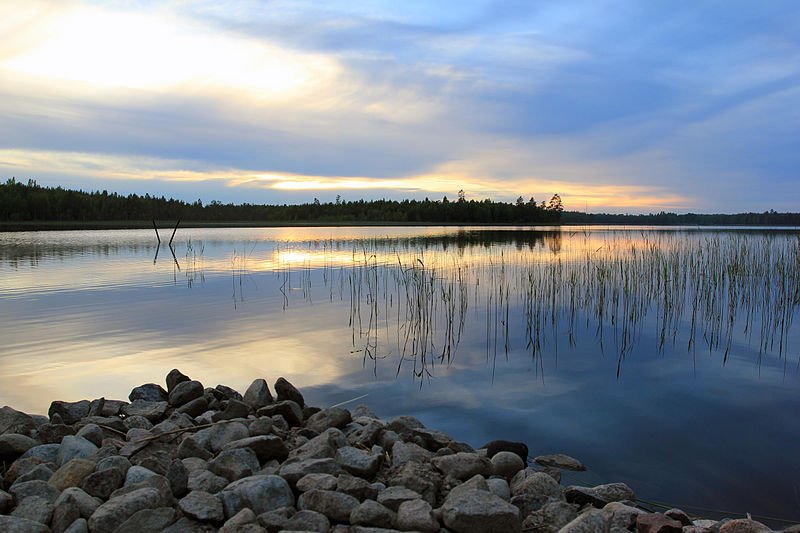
(70, 412)
(228, 393)
(677, 514)
(478, 511)
(323, 445)
(216, 437)
(206, 481)
(477, 482)
(316, 481)
(416, 515)
(393, 497)
(257, 394)
(149, 521)
(13, 421)
(195, 407)
(245, 517)
(266, 447)
(592, 521)
(260, 426)
(13, 524)
(372, 513)
(335, 417)
(138, 422)
(48, 453)
(308, 521)
(359, 462)
(286, 391)
(78, 526)
(187, 525)
(185, 392)
(36, 509)
(496, 446)
(499, 487)
(421, 478)
(334, 505)
(71, 474)
(276, 519)
(202, 506)
(235, 464)
(194, 463)
(536, 483)
(743, 525)
(150, 392)
(178, 477)
(356, 487)
(600, 495)
(93, 433)
(115, 461)
(506, 464)
(190, 447)
(529, 502)
(559, 460)
(431, 439)
(387, 439)
(104, 407)
(64, 514)
(551, 517)
(159, 483)
(293, 471)
(12, 445)
(290, 411)
(42, 472)
(624, 516)
(233, 409)
(110, 515)
(175, 377)
(35, 488)
(402, 425)
(103, 482)
(365, 435)
(137, 474)
(75, 498)
(259, 493)
(53, 433)
(5, 501)
(403, 452)
(152, 411)
(463, 465)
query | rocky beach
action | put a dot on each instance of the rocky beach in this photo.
(185, 457)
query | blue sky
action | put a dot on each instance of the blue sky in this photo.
(617, 106)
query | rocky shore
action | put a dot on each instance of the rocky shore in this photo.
(190, 458)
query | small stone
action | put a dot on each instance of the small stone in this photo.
(35, 509)
(202, 506)
(257, 394)
(308, 521)
(114, 461)
(658, 523)
(70, 412)
(506, 464)
(622, 516)
(499, 487)
(260, 426)
(293, 471)
(216, 437)
(42, 472)
(53, 433)
(78, 526)
(551, 517)
(480, 511)
(356, 487)
(5, 501)
(680, 516)
(316, 481)
(359, 462)
(496, 446)
(393, 497)
(334, 505)
(189, 447)
(185, 392)
(71, 474)
(149, 521)
(287, 409)
(416, 515)
(174, 378)
(422, 478)
(150, 392)
(372, 513)
(137, 422)
(276, 519)
(137, 474)
(403, 452)
(75, 498)
(286, 391)
(178, 477)
(235, 464)
(559, 460)
(235, 524)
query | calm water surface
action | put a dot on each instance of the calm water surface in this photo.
(666, 359)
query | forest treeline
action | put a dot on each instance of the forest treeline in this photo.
(30, 202)
(767, 218)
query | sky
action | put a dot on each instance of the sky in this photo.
(617, 106)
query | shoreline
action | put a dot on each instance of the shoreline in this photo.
(190, 458)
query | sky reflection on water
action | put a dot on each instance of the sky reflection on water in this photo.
(88, 314)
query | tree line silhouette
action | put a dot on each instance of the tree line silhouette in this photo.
(30, 202)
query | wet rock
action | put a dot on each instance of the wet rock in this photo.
(416, 515)
(286, 391)
(149, 521)
(372, 513)
(743, 525)
(559, 460)
(13, 421)
(480, 512)
(185, 392)
(235, 464)
(359, 462)
(152, 411)
(70, 412)
(657, 523)
(600, 495)
(506, 464)
(334, 505)
(393, 497)
(259, 493)
(103, 482)
(206, 481)
(257, 394)
(307, 520)
(287, 409)
(53, 433)
(592, 521)
(150, 392)
(335, 417)
(71, 474)
(35, 488)
(316, 481)
(293, 471)
(403, 452)
(13, 524)
(266, 447)
(496, 446)
(202, 506)
(35, 509)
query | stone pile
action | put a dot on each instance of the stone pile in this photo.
(190, 458)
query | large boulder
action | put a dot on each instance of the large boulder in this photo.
(109, 516)
(559, 460)
(463, 465)
(257, 394)
(70, 412)
(478, 511)
(286, 391)
(334, 505)
(150, 392)
(600, 495)
(259, 493)
(13, 421)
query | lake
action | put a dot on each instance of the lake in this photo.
(666, 358)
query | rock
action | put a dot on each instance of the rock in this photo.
(592, 521)
(93, 433)
(53, 433)
(365, 435)
(393, 497)
(194, 408)
(235, 464)
(70, 412)
(259, 493)
(233, 409)
(559, 460)
(103, 407)
(537, 483)
(496, 446)
(335, 417)
(622, 516)
(117, 510)
(46, 453)
(150, 392)
(13, 421)
(277, 519)
(286, 391)
(216, 437)
(372, 513)
(289, 410)
(137, 422)
(334, 505)
(35, 488)
(266, 447)
(174, 378)
(600, 495)
(35, 509)
(242, 518)
(403, 452)
(308, 521)
(359, 462)
(13, 524)
(293, 471)
(187, 525)
(206, 481)
(137, 474)
(257, 394)
(506, 464)
(189, 447)
(499, 487)
(75, 498)
(463, 465)
(42, 472)
(5, 501)
(71, 474)
(416, 515)
(421, 478)
(680, 516)
(202, 506)
(185, 392)
(78, 526)
(152, 411)
(12, 445)
(657, 523)
(260, 426)
(551, 517)
(316, 481)
(178, 477)
(358, 488)
(743, 525)
(149, 521)
(64, 515)
(323, 445)
(103, 482)
(477, 511)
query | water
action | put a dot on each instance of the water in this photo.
(664, 358)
